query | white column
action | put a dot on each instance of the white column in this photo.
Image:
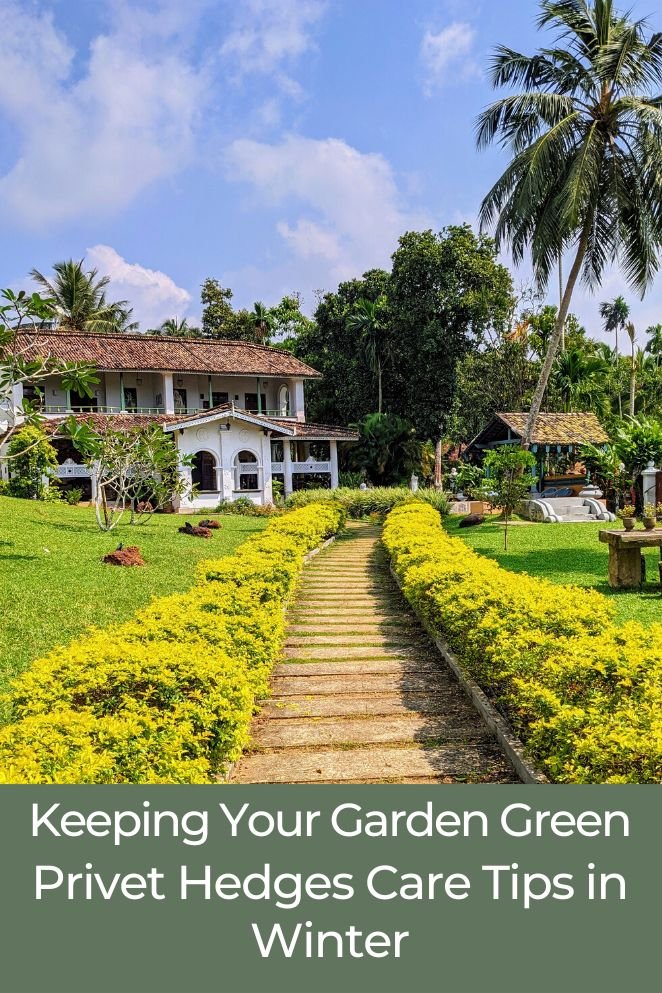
(267, 489)
(649, 477)
(299, 405)
(333, 445)
(17, 397)
(168, 393)
(287, 467)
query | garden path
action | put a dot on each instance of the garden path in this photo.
(363, 695)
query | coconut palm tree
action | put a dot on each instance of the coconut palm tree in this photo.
(175, 328)
(632, 334)
(80, 302)
(654, 343)
(262, 321)
(584, 129)
(580, 379)
(368, 323)
(615, 316)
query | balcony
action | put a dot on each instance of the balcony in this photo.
(54, 409)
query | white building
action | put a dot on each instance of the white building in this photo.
(237, 408)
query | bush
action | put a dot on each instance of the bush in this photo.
(73, 496)
(363, 503)
(168, 696)
(244, 507)
(31, 459)
(584, 693)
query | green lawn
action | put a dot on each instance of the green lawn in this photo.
(53, 584)
(565, 553)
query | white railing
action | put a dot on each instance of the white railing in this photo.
(72, 471)
(51, 408)
(277, 467)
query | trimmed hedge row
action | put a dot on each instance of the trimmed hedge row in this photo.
(378, 500)
(584, 693)
(168, 696)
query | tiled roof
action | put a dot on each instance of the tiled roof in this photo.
(318, 432)
(115, 421)
(560, 429)
(550, 429)
(115, 352)
(228, 410)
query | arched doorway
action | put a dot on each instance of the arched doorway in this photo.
(247, 471)
(203, 472)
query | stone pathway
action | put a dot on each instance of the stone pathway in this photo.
(363, 696)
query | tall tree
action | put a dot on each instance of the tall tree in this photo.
(447, 296)
(369, 322)
(580, 380)
(79, 299)
(262, 322)
(615, 315)
(219, 318)
(654, 343)
(584, 130)
(632, 334)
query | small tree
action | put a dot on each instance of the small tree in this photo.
(136, 470)
(510, 480)
(20, 315)
(33, 458)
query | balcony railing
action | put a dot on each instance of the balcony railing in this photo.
(72, 470)
(298, 467)
(51, 408)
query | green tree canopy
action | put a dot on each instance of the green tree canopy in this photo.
(78, 299)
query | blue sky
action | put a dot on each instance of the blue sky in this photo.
(278, 145)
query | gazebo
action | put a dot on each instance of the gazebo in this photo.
(559, 490)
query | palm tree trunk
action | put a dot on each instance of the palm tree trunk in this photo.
(633, 381)
(553, 348)
(561, 297)
(618, 377)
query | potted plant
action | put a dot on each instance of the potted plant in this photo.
(649, 517)
(626, 514)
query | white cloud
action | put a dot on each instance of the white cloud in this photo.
(354, 197)
(344, 210)
(446, 52)
(153, 295)
(90, 141)
(268, 34)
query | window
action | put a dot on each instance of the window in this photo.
(216, 400)
(203, 474)
(130, 398)
(247, 471)
(80, 401)
(250, 402)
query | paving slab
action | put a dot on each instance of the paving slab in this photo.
(357, 705)
(370, 764)
(303, 733)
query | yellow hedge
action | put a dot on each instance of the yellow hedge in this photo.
(168, 696)
(584, 693)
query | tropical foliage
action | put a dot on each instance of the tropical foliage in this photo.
(584, 129)
(78, 299)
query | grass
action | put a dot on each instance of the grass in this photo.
(53, 583)
(565, 554)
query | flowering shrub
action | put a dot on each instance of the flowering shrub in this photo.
(168, 696)
(359, 503)
(584, 693)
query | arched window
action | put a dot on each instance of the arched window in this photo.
(203, 472)
(284, 401)
(247, 472)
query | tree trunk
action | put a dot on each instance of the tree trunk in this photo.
(546, 370)
(561, 298)
(379, 386)
(633, 381)
(618, 377)
(437, 465)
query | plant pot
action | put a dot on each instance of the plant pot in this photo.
(649, 523)
(628, 523)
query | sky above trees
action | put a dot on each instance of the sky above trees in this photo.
(278, 145)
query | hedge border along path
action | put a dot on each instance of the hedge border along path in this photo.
(583, 693)
(168, 696)
(363, 695)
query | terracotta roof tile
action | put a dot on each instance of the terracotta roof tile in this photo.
(164, 354)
